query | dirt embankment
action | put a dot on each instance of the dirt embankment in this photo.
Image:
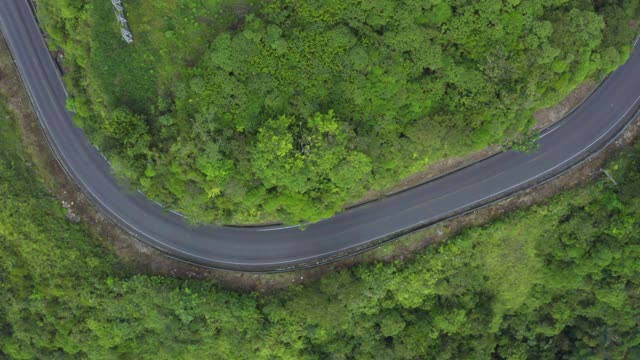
(140, 258)
(544, 118)
(406, 247)
(135, 255)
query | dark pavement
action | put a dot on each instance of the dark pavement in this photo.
(587, 129)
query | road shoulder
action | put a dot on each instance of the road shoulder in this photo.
(145, 259)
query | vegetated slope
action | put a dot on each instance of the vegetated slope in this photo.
(557, 281)
(286, 110)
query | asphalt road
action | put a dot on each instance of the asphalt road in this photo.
(588, 128)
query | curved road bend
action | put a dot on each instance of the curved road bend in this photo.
(271, 249)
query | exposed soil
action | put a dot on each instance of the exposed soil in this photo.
(439, 168)
(406, 247)
(140, 258)
(549, 116)
(544, 118)
(135, 255)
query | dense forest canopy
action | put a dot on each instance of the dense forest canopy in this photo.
(559, 281)
(248, 111)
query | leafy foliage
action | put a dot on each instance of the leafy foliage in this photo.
(558, 281)
(407, 82)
